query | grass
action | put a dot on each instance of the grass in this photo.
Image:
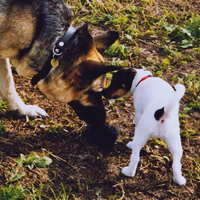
(2, 128)
(3, 105)
(62, 195)
(33, 160)
(12, 193)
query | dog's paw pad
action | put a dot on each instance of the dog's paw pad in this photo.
(181, 180)
(127, 172)
(129, 145)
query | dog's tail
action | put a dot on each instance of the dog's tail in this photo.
(179, 92)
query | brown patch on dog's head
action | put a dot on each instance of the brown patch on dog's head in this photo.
(120, 84)
(81, 70)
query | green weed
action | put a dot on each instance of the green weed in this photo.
(54, 127)
(160, 143)
(196, 174)
(165, 64)
(192, 81)
(2, 127)
(195, 103)
(36, 194)
(117, 50)
(187, 133)
(186, 35)
(15, 175)
(193, 85)
(62, 195)
(3, 105)
(12, 193)
(33, 160)
(90, 180)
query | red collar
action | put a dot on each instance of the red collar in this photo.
(144, 78)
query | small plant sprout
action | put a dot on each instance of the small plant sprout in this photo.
(33, 160)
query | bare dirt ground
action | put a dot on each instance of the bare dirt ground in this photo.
(88, 171)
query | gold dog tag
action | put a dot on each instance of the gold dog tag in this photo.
(54, 62)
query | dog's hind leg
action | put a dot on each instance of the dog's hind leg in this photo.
(173, 141)
(176, 150)
(138, 142)
(9, 94)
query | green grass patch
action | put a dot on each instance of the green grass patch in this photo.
(33, 160)
(186, 35)
(3, 105)
(117, 50)
(12, 193)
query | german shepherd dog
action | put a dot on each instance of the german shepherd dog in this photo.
(66, 63)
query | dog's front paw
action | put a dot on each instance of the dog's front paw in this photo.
(102, 135)
(32, 111)
(180, 180)
(129, 145)
(128, 172)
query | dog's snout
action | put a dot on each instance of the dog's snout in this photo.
(109, 94)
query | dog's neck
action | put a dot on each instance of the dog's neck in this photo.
(141, 76)
(52, 60)
(144, 78)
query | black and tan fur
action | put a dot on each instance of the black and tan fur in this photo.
(29, 29)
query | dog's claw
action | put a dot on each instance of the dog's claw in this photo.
(48, 116)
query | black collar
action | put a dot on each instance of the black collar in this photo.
(52, 60)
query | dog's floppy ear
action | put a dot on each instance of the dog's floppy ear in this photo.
(90, 70)
(105, 40)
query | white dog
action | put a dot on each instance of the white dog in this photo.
(156, 114)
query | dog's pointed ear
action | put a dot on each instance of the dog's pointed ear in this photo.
(91, 70)
(105, 40)
(83, 27)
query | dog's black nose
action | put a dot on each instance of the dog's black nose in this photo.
(105, 93)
